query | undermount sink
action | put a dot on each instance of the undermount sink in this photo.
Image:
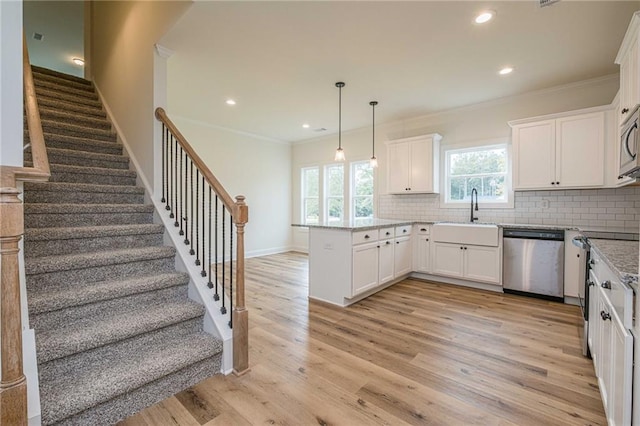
(481, 234)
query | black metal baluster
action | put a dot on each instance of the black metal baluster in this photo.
(216, 296)
(172, 172)
(191, 250)
(175, 185)
(187, 216)
(223, 309)
(180, 215)
(204, 272)
(231, 269)
(197, 216)
(164, 166)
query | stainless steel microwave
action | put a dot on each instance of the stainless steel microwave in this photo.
(629, 162)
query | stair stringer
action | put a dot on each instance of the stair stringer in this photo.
(215, 323)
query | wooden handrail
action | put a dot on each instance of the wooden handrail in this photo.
(240, 216)
(161, 115)
(13, 384)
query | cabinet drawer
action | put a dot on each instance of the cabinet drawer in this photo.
(359, 237)
(403, 230)
(422, 229)
(385, 233)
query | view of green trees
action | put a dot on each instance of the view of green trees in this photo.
(363, 197)
(310, 183)
(484, 170)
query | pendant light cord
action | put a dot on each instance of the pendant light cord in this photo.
(340, 115)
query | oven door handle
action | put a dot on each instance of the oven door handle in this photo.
(626, 142)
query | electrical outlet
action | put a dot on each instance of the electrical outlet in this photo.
(328, 246)
(544, 204)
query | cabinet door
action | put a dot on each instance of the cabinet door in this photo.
(447, 259)
(580, 150)
(534, 155)
(402, 256)
(423, 254)
(603, 370)
(385, 261)
(593, 340)
(482, 264)
(398, 168)
(421, 159)
(620, 401)
(573, 266)
(629, 87)
(365, 267)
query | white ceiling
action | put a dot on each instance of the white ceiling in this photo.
(280, 60)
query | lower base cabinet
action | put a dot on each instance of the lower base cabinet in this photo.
(477, 263)
(365, 267)
(402, 257)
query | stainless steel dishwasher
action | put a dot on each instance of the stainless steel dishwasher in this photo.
(533, 262)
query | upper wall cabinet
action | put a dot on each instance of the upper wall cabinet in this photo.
(559, 153)
(628, 58)
(413, 165)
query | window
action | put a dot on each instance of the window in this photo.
(485, 168)
(361, 190)
(310, 195)
(334, 192)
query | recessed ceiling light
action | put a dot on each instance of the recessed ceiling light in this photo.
(78, 61)
(306, 126)
(505, 71)
(230, 102)
(485, 16)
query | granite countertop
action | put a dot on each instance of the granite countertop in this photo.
(621, 257)
(359, 224)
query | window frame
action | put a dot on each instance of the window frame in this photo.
(446, 151)
(327, 195)
(352, 190)
(304, 197)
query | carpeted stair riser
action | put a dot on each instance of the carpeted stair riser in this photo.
(90, 334)
(57, 80)
(86, 92)
(76, 193)
(74, 119)
(42, 92)
(56, 141)
(45, 241)
(82, 158)
(58, 75)
(60, 128)
(66, 295)
(104, 309)
(72, 107)
(63, 215)
(92, 175)
(91, 274)
(130, 402)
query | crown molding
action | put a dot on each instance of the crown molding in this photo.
(164, 51)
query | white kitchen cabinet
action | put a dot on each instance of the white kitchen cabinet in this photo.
(466, 261)
(628, 58)
(621, 379)
(422, 249)
(402, 257)
(413, 165)
(385, 261)
(365, 267)
(559, 153)
(573, 268)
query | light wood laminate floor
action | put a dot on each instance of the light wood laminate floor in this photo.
(416, 353)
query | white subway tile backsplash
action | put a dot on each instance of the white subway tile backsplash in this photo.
(614, 208)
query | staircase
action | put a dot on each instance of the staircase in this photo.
(115, 329)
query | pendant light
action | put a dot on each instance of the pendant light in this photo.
(339, 152)
(373, 162)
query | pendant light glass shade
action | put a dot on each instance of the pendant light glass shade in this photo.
(373, 162)
(339, 152)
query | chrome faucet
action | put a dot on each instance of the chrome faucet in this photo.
(474, 191)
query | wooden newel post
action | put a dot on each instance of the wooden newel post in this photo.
(240, 313)
(13, 385)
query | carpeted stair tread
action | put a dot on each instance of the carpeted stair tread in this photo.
(93, 121)
(92, 333)
(72, 294)
(44, 215)
(59, 75)
(94, 110)
(97, 171)
(43, 92)
(73, 209)
(74, 143)
(82, 193)
(83, 158)
(56, 263)
(42, 234)
(61, 128)
(86, 92)
(105, 380)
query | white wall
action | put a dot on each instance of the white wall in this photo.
(11, 138)
(249, 166)
(487, 121)
(123, 34)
